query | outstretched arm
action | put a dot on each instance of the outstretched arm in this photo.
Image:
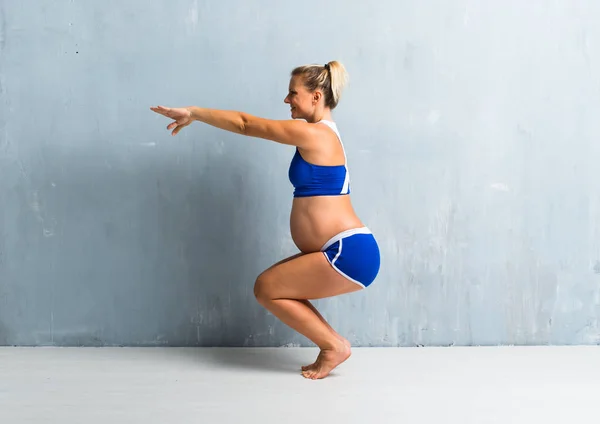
(292, 132)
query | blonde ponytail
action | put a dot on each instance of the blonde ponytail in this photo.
(338, 77)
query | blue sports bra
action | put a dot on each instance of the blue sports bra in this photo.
(319, 180)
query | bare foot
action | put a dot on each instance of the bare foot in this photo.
(311, 366)
(327, 361)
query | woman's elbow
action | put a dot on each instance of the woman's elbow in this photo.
(245, 124)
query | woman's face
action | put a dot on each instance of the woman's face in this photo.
(301, 101)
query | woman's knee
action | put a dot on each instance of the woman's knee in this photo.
(262, 287)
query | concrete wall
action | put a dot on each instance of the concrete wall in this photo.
(471, 129)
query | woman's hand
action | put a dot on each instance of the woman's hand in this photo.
(182, 117)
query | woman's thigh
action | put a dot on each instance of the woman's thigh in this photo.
(303, 276)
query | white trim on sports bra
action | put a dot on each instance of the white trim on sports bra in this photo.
(333, 126)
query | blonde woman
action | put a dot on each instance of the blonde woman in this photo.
(338, 253)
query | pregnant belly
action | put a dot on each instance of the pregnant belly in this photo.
(314, 220)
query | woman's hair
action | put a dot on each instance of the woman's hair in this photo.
(330, 78)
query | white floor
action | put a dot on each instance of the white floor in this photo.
(376, 385)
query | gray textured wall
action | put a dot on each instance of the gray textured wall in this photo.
(472, 132)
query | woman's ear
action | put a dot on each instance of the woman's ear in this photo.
(316, 97)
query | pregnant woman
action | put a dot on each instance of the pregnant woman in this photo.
(338, 253)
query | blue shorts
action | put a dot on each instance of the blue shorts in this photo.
(354, 254)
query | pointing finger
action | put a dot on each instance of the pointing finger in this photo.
(162, 110)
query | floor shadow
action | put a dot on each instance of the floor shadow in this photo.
(279, 360)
